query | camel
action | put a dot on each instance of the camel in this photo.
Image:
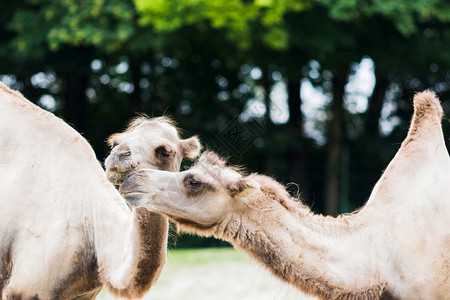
(65, 231)
(395, 247)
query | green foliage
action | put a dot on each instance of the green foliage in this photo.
(404, 14)
(239, 17)
(235, 16)
(50, 24)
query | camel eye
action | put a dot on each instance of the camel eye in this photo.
(163, 152)
(192, 184)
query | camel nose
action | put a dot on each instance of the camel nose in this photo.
(117, 162)
(110, 163)
(121, 150)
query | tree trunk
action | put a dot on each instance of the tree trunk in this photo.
(136, 100)
(75, 102)
(294, 102)
(371, 143)
(266, 84)
(335, 135)
(375, 105)
(297, 162)
(74, 74)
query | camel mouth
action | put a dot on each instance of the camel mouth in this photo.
(118, 168)
(137, 198)
(116, 178)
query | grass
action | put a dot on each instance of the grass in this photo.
(215, 273)
(206, 256)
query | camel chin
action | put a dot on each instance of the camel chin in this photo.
(116, 178)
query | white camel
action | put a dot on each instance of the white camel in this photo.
(397, 246)
(65, 231)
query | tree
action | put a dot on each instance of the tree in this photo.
(62, 37)
(104, 61)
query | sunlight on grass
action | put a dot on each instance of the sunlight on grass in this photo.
(215, 273)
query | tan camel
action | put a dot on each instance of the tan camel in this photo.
(65, 231)
(396, 246)
(148, 143)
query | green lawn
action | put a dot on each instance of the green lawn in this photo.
(215, 273)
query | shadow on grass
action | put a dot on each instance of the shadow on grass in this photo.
(215, 274)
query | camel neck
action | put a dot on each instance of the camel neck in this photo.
(131, 246)
(323, 256)
(149, 238)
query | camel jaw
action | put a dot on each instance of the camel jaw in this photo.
(137, 198)
(116, 178)
(134, 192)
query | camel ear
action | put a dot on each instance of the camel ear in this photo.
(191, 147)
(111, 139)
(242, 188)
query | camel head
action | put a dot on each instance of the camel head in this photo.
(148, 143)
(200, 197)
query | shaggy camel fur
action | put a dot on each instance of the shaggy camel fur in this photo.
(64, 229)
(396, 246)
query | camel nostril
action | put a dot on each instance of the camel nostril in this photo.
(126, 152)
(122, 151)
(112, 169)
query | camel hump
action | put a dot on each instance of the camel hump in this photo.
(5, 88)
(427, 105)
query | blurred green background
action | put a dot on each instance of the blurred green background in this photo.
(318, 93)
